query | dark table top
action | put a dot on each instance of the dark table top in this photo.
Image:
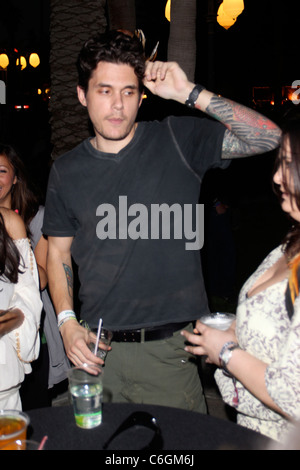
(180, 430)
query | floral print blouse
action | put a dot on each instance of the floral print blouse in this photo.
(264, 329)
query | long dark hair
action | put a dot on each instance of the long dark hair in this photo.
(23, 198)
(291, 134)
(9, 255)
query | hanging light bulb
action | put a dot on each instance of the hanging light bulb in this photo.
(34, 60)
(224, 20)
(168, 10)
(4, 61)
(21, 60)
(233, 8)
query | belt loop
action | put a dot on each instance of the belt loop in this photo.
(142, 335)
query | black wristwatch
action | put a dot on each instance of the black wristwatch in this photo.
(193, 96)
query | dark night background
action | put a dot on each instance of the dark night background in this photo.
(259, 50)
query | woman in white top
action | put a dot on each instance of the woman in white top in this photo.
(16, 194)
(260, 353)
(19, 292)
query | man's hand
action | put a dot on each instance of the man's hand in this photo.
(76, 338)
(167, 80)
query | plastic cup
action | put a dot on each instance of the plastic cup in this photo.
(105, 338)
(22, 445)
(86, 388)
(218, 320)
(13, 426)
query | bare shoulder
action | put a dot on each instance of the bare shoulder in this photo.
(14, 224)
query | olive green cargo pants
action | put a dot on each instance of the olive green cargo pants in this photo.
(154, 372)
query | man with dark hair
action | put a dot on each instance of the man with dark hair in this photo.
(117, 47)
(124, 205)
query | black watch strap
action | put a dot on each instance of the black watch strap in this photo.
(193, 96)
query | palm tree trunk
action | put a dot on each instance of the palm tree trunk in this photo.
(182, 38)
(121, 14)
(71, 23)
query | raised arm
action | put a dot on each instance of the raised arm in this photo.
(248, 132)
(60, 278)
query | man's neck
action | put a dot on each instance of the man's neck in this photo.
(112, 146)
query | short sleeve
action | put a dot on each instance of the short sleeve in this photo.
(57, 221)
(200, 142)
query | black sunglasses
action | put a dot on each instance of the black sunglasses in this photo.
(138, 419)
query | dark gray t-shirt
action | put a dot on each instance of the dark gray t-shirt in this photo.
(134, 268)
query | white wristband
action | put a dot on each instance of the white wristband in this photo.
(64, 316)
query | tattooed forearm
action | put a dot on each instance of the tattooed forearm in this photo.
(69, 277)
(248, 132)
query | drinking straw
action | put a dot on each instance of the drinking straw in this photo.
(98, 336)
(43, 441)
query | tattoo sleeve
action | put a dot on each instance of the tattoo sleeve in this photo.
(69, 277)
(248, 132)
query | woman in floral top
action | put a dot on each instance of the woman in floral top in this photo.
(260, 353)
